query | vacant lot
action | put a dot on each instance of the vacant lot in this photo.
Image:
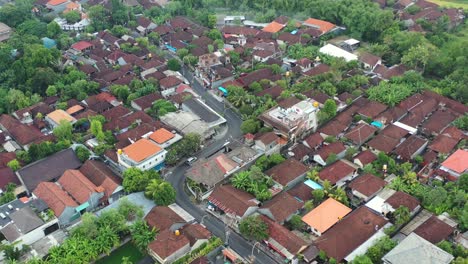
(127, 250)
(452, 3)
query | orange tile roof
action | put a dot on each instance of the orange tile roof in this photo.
(457, 161)
(323, 26)
(74, 109)
(59, 115)
(56, 2)
(77, 185)
(326, 215)
(72, 5)
(141, 150)
(161, 135)
(273, 27)
(56, 198)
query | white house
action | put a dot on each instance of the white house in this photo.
(143, 154)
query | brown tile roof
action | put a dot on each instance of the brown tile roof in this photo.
(240, 30)
(383, 143)
(317, 70)
(194, 232)
(141, 150)
(100, 175)
(372, 109)
(287, 171)
(163, 218)
(351, 232)
(78, 186)
(314, 140)
(411, 101)
(449, 103)
(391, 115)
(268, 138)
(437, 121)
(265, 73)
(453, 132)
(370, 59)
(7, 175)
(288, 102)
(232, 200)
(284, 237)
(21, 133)
(56, 198)
(361, 133)
(145, 102)
(6, 157)
(434, 230)
(126, 121)
(394, 132)
(300, 151)
(116, 112)
(167, 243)
(337, 171)
(333, 128)
(335, 147)
(168, 82)
(366, 157)
(282, 206)
(402, 199)
(301, 191)
(274, 92)
(409, 147)
(367, 184)
(443, 144)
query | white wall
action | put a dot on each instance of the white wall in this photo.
(146, 164)
(36, 234)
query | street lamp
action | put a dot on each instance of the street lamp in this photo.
(203, 218)
(252, 257)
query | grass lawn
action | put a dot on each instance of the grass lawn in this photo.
(127, 250)
(452, 3)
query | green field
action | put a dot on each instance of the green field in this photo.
(452, 3)
(127, 250)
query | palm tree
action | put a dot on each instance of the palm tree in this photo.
(161, 192)
(401, 215)
(241, 180)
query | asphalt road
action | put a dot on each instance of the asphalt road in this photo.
(177, 179)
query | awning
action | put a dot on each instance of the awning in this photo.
(82, 206)
(222, 89)
(229, 254)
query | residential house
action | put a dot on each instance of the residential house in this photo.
(57, 5)
(333, 128)
(353, 235)
(288, 173)
(323, 26)
(164, 138)
(339, 172)
(169, 246)
(360, 133)
(388, 200)
(262, 55)
(196, 234)
(237, 204)
(317, 70)
(283, 241)
(334, 51)
(372, 109)
(299, 152)
(164, 218)
(168, 85)
(143, 154)
(82, 46)
(369, 61)
(388, 139)
(63, 206)
(48, 169)
(443, 144)
(366, 186)
(324, 216)
(434, 230)
(456, 164)
(410, 148)
(258, 75)
(29, 114)
(273, 27)
(438, 121)
(303, 191)
(322, 154)
(292, 117)
(23, 135)
(56, 117)
(102, 176)
(82, 190)
(314, 141)
(281, 208)
(415, 249)
(363, 158)
(145, 25)
(144, 103)
(391, 115)
(268, 143)
(212, 171)
(5, 32)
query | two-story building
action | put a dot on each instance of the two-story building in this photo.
(143, 154)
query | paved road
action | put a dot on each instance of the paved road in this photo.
(177, 179)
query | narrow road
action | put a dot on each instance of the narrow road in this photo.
(177, 179)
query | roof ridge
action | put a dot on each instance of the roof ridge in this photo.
(60, 198)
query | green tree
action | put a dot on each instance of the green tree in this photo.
(330, 107)
(253, 227)
(142, 234)
(331, 158)
(402, 215)
(64, 131)
(362, 259)
(136, 180)
(161, 192)
(53, 29)
(250, 126)
(162, 107)
(96, 130)
(173, 65)
(72, 16)
(380, 248)
(417, 57)
(461, 122)
(241, 180)
(296, 222)
(14, 164)
(129, 210)
(463, 182)
(82, 153)
(319, 195)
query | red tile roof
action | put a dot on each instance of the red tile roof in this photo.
(333, 128)
(282, 206)
(287, 171)
(232, 200)
(167, 243)
(6, 157)
(351, 232)
(116, 112)
(372, 109)
(319, 69)
(323, 26)
(273, 27)
(402, 199)
(457, 162)
(409, 147)
(81, 45)
(56, 198)
(361, 133)
(337, 171)
(284, 237)
(162, 218)
(194, 232)
(314, 140)
(168, 82)
(434, 230)
(268, 138)
(367, 184)
(443, 144)
(100, 175)
(7, 175)
(21, 133)
(366, 157)
(383, 143)
(78, 186)
(335, 147)
(301, 191)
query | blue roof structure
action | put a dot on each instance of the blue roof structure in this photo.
(377, 124)
(49, 43)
